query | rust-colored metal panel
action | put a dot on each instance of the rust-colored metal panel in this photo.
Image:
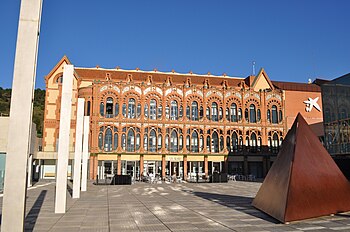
(314, 185)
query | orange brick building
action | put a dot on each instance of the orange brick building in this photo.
(166, 123)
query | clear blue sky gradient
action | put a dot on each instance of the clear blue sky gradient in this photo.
(292, 40)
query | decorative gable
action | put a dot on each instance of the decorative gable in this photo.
(261, 81)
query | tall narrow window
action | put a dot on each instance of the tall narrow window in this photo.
(181, 112)
(234, 142)
(108, 140)
(188, 112)
(173, 142)
(239, 114)
(152, 141)
(109, 107)
(201, 112)
(280, 116)
(138, 141)
(138, 110)
(146, 110)
(173, 110)
(233, 112)
(115, 142)
(131, 141)
(201, 143)
(180, 142)
(208, 143)
(194, 142)
(116, 110)
(123, 142)
(124, 110)
(160, 111)
(153, 109)
(220, 113)
(252, 114)
(221, 143)
(258, 115)
(194, 111)
(274, 114)
(131, 108)
(188, 143)
(253, 142)
(208, 113)
(214, 111)
(145, 142)
(159, 142)
(215, 142)
(268, 116)
(102, 109)
(100, 140)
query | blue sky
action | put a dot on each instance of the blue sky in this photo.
(292, 40)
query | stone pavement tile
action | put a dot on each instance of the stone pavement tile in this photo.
(65, 229)
(159, 227)
(94, 229)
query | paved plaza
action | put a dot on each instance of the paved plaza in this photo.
(163, 207)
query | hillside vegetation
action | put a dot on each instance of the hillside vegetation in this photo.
(38, 108)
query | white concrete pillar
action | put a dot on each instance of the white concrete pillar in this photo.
(84, 174)
(63, 145)
(15, 186)
(30, 172)
(78, 148)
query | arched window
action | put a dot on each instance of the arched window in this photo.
(131, 108)
(234, 142)
(146, 110)
(173, 110)
(116, 110)
(258, 115)
(247, 144)
(173, 141)
(131, 141)
(252, 113)
(268, 116)
(246, 115)
(108, 140)
(100, 140)
(194, 111)
(115, 142)
(152, 141)
(194, 142)
(214, 112)
(259, 144)
(253, 142)
(160, 111)
(102, 109)
(220, 113)
(109, 107)
(233, 112)
(274, 114)
(215, 142)
(181, 112)
(153, 109)
(188, 143)
(207, 113)
(201, 112)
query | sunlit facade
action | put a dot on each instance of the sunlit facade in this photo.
(177, 124)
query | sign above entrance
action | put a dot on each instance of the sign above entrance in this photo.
(173, 158)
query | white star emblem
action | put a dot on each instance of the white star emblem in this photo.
(311, 103)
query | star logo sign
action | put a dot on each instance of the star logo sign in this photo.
(311, 103)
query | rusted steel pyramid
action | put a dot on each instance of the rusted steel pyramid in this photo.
(304, 181)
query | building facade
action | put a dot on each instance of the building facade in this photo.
(170, 124)
(336, 104)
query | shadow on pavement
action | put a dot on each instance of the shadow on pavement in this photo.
(33, 214)
(239, 203)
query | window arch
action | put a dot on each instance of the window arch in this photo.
(233, 112)
(268, 115)
(253, 142)
(280, 116)
(116, 110)
(234, 142)
(152, 141)
(102, 109)
(275, 143)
